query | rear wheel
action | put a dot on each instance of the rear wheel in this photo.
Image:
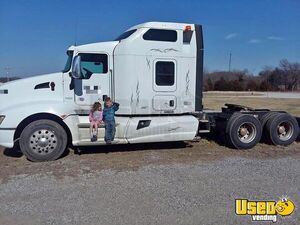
(264, 119)
(282, 129)
(243, 131)
(43, 140)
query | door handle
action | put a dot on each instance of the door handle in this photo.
(171, 103)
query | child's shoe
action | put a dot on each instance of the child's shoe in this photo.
(95, 138)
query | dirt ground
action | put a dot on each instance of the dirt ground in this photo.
(133, 157)
(192, 183)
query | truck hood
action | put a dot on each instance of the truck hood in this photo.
(47, 87)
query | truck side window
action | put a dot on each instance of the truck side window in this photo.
(93, 63)
(160, 35)
(69, 62)
(164, 73)
(125, 35)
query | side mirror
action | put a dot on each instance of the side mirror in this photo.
(76, 67)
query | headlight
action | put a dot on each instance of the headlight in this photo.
(1, 119)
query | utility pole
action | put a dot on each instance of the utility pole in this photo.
(229, 63)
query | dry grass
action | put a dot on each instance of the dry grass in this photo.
(215, 102)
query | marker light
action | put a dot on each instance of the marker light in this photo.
(187, 28)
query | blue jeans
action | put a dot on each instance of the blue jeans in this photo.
(110, 130)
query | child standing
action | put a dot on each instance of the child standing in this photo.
(95, 117)
(109, 118)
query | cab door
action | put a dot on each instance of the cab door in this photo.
(95, 84)
(164, 85)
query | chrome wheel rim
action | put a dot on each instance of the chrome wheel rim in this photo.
(247, 132)
(43, 142)
(285, 131)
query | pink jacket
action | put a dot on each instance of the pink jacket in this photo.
(96, 116)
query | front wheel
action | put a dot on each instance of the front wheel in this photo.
(243, 131)
(43, 140)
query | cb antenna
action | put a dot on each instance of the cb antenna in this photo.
(7, 69)
(76, 32)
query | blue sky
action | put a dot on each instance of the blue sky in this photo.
(35, 34)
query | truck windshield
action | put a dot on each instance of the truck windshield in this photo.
(125, 35)
(69, 62)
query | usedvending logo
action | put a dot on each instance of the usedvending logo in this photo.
(264, 210)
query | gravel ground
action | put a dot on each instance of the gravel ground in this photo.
(179, 183)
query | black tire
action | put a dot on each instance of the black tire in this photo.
(282, 129)
(263, 120)
(247, 124)
(43, 140)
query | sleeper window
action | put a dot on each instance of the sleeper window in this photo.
(93, 63)
(160, 35)
(165, 73)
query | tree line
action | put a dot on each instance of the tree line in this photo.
(284, 77)
(6, 79)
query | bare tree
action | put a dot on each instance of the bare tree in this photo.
(291, 72)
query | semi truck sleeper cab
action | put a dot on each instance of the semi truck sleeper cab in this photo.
(155, 71)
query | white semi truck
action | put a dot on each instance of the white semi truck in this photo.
(155, 72)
